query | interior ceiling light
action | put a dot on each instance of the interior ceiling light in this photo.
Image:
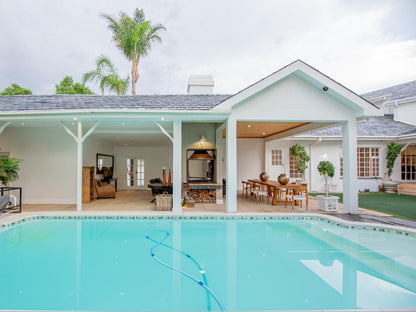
(249, 126)
(75, 118)
(23, 123)
(122, 123)
(201, 154)
(162, 118)
(263, 133)
(325, 88)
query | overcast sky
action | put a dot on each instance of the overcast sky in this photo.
(365, 45)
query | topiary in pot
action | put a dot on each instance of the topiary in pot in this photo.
(327, 170)
(301, 156)
(9, 170)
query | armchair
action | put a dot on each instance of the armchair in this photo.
(105, 190)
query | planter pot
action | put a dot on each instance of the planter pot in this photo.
(327, 203)
(389, 186)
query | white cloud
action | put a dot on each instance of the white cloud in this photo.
(239, 42)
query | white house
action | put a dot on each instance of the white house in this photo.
(373, 135)
(58, 135)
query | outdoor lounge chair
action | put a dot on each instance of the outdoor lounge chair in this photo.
(7, 202)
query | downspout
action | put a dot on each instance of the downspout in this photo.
(310, 167)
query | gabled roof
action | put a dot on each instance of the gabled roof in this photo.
(376, 126)
(314, 77)
(68, 102)
(394, 93)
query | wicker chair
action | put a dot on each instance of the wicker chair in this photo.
(105, 191)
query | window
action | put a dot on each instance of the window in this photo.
(409, 163)
(368, 160)
(293, 168)
(277, 158)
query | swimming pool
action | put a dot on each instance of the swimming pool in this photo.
(248, 264)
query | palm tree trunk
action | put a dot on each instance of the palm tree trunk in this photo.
(134, 75)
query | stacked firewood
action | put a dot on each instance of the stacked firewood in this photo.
(203, 196)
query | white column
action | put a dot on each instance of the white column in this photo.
(220, 152)
(177, 167)
(231, 165)
(349, 151)
(79, 167)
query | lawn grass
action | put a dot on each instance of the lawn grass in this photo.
(401, 206)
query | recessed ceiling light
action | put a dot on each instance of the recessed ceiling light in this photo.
(122, 123)
(125, 144)
(263, 133)
(249, 126)
(117, 138)
(23, 123)
(162, 118)
(73, 123)
(75, 118)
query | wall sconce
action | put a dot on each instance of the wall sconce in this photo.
(202, 140)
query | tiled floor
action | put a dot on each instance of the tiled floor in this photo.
(140, 201)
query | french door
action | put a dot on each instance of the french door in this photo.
(134, 173)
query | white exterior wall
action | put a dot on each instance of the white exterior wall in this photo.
(48, 170)
(250, 159)
(155, 158)
(407, 112)
(328, 150)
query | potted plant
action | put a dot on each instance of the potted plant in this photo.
(393, 150)
(327, 202)
(302, 157)
(9, 170)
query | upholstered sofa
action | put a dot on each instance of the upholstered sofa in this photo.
(105, 190)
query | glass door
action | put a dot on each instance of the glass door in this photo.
(134, 173)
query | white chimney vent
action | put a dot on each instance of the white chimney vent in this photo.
(201, 84)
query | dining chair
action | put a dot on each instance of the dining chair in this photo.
(260, 191)
(297, 194)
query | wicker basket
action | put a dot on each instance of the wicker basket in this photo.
(164, 202)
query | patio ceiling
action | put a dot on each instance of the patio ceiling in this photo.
(248, 129)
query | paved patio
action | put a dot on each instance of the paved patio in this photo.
(140, 201)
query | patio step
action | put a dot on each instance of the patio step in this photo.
(408, 188)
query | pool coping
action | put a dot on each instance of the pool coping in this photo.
(13, 219)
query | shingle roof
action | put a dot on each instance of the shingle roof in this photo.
(376, 126)
(16, 103)
(399, 92)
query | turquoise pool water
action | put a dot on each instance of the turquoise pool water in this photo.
(267, 264)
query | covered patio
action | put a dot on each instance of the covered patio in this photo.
(59, 135)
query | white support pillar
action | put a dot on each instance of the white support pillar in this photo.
(79, 167)
(79, 139)
(220, 153)
(231, 165)
(177, 167)
(349, 151)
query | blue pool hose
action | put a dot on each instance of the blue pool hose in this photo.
(203, 283)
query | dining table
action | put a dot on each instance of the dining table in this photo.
(274, 188)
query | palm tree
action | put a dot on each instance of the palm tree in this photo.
(135, 38)
(106, 74)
